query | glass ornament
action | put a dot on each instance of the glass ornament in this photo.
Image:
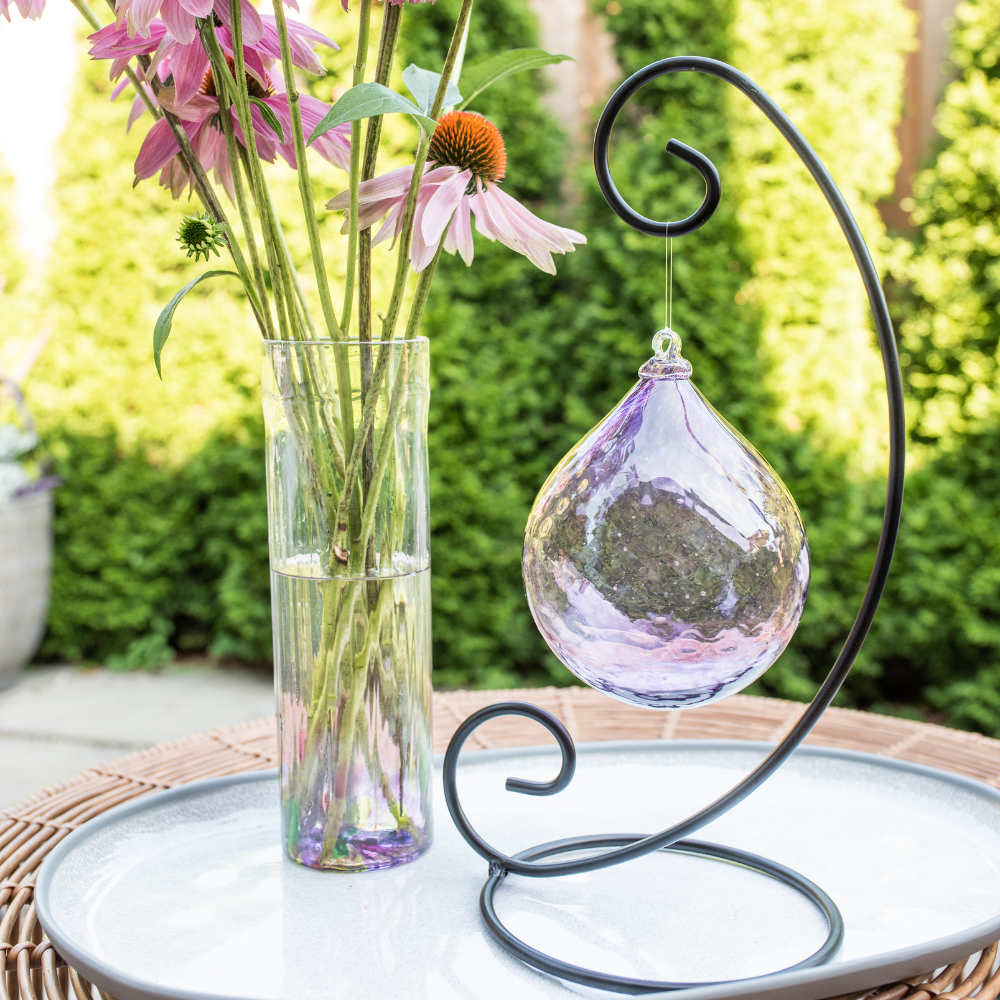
(665, 562)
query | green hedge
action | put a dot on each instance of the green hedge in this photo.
(146, 553)
(161, 528)
(939, 636)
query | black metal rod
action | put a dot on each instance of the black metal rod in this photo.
(887, 540)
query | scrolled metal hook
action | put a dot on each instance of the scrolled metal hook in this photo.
(704, 166)
(465, 730)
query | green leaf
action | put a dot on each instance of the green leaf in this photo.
(162, 329)
(474, 81)
(367, 100)
(423, 84)
(267, 113)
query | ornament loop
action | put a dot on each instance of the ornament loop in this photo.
(667, 362)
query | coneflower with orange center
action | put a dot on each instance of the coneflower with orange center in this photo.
(470, 142)
(466, 158)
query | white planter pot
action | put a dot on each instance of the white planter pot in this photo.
(25, 569)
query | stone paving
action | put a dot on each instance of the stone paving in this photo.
(56, 721)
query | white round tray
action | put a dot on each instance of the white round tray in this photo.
(186, 894)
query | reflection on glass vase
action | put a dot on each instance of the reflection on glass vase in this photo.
(347, 497)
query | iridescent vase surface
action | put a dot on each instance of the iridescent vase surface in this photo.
(665, 562)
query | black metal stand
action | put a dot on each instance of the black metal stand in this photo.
(615, 849)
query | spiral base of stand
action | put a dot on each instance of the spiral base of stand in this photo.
(636, 987)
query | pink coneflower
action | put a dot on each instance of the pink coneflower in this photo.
(466, 158)
(27, 8)
(187, 60)
(200, 120)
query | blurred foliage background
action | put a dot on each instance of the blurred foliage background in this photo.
(161, 533)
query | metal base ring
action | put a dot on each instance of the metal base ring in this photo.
(622, 984)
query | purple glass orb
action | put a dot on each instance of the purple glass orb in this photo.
(664, 560)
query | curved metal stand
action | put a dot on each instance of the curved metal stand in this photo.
(617, 849)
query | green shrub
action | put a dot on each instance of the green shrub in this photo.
(938, 634)
(146, 553)
(161, 526)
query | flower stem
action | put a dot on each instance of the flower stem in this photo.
(420, 295)
(358, 665)
(360, 66)
(305, 185)
(391, 17)
(256, 175)
(218, 60)
(403, 258)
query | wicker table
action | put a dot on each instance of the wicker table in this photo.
(30, 969)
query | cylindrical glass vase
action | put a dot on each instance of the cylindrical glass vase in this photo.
(347, 500)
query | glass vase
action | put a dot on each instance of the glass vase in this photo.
(347, 498)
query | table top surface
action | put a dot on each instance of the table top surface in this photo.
(31, 828)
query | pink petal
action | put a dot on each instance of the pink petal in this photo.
(175, 177)
(255, 67)
(334, 146)
(117, 91)
(253, 27)
(113, 41)
(224, 173)
(492, 222)
(188, 63)
(269, 44)
(501, 217)
(422, 250)
(460, 233)
(135, 112)
(492, 229)
(161, 57)
(279, 105)
(528, 227)
(392, 225)
(292, 4)
(301, 37)
(369, 214)
(264, 138)
(157, 149)
(179, 21)
(389, 185)
(441, 205)
(210, 145)
(199, 8)
(200, 108)
(421, 254)
(204, 142)
(140, 14)
(31, 8)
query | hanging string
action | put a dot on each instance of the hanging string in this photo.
(668, 291)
